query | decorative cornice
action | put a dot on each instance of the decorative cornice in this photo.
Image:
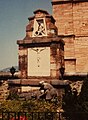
(37, 40)
(67, 1)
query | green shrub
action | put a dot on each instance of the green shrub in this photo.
(27, 106)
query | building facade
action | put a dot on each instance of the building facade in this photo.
(72, 22)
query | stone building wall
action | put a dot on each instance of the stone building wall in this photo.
(72, 22)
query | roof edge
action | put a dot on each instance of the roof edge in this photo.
(40, 10)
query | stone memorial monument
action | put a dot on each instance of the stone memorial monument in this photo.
(41, 52)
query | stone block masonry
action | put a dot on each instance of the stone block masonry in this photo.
(72, 22)
(4, 92)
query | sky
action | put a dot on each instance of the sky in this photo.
(13, 20)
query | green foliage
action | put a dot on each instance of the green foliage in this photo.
(74, 103)
(83, 97)
(27, 106)
(13, 94)
(84, 91)
(68, 99)
(77, 104)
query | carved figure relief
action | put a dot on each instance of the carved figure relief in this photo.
(39, 61)
(37, 50)
(39, 28)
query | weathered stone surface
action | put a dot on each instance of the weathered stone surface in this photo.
(72, 22)
(4, 92)
(41, 52)
(77, 85)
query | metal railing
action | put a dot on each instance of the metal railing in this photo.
(31, 116)
(43, 116)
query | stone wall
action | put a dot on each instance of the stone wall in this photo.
(56, 46)
(72, 22)
(81, 53)
(3, 90)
